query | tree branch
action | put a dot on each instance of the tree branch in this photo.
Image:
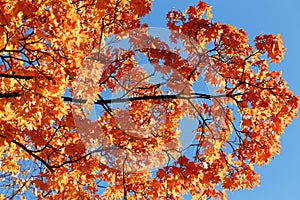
(16, 76)
(8, 95)
(32, 154)
(150, 97)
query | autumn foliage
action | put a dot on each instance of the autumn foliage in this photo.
(58, 65)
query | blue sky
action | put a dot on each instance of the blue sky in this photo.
(279, 179)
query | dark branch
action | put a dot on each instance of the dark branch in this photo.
(16, 76)
(158, 97)
(8, 95)
(32, 154)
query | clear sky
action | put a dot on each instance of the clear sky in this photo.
(279, 179)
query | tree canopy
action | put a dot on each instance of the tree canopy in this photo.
(92, 102)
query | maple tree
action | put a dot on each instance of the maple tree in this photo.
(57, 66)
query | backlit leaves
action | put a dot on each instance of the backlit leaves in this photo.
(57, 67)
